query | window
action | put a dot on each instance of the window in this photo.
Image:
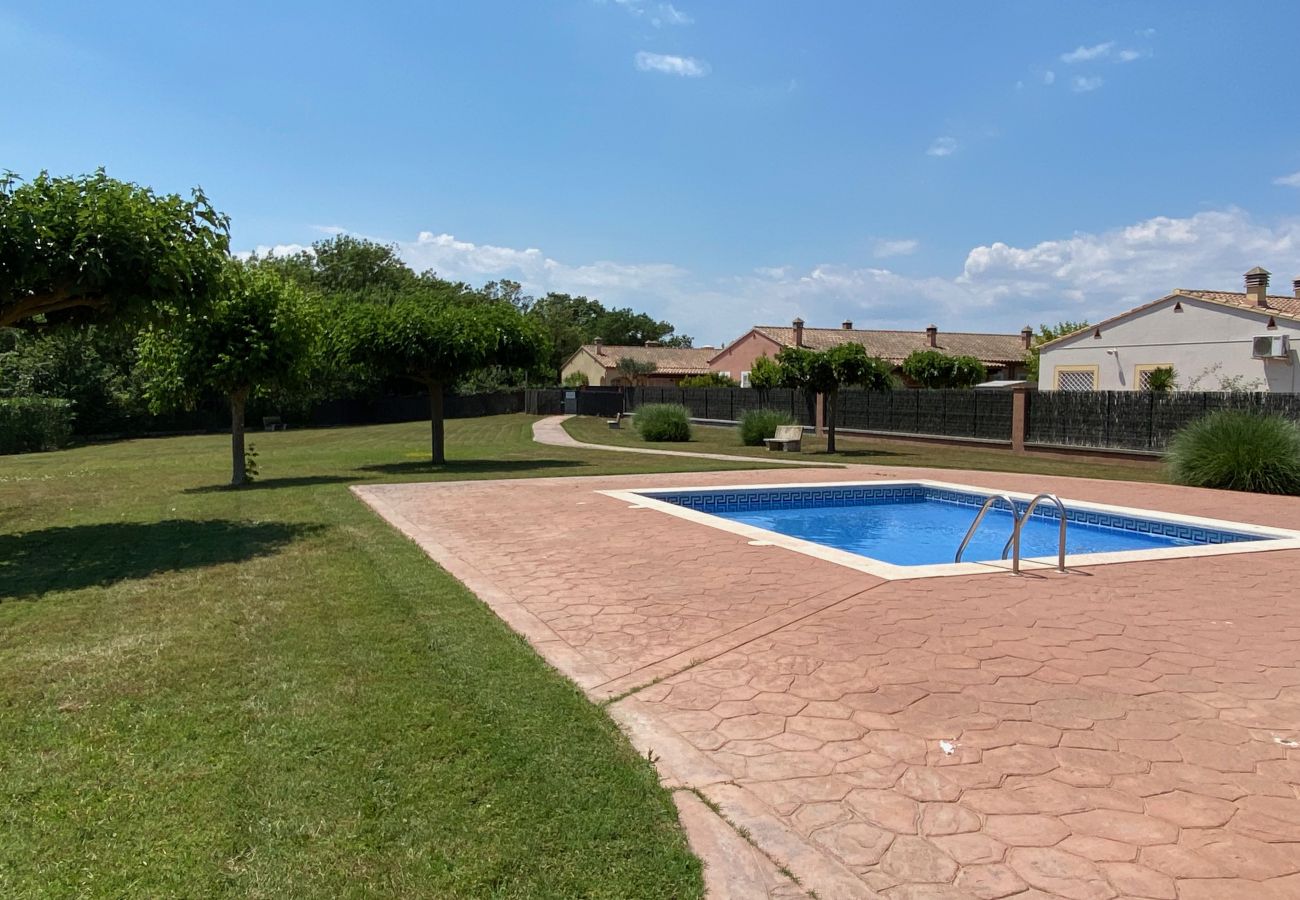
(744, 379)
(1076, 378)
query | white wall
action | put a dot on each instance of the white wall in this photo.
(1192, 341)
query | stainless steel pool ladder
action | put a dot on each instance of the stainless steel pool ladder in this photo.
(1017, 522)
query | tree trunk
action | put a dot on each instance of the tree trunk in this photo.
(435, 424)
(830, 420)
(238, 472)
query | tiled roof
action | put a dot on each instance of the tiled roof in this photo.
(895, 346)
(667, 360)
(1285, 304)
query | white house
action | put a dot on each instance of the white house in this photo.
(1214, 340)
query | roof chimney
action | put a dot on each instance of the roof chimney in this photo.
(848, 325)
(1295, 286)
(932, 335)
(798, 332)
(600, 347)
(1027, 337)
(1257, 286)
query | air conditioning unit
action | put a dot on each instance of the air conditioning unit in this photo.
(1271, 346)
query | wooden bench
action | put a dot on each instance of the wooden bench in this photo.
(273, 423)
(788, 437)
(616, 422)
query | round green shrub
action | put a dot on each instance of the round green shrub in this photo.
(758, 425)
(1239, 451)
(663, 422)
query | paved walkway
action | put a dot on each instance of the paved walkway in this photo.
(551, 431)
(1126, 730)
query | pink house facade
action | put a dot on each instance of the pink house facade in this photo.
(1002, 354)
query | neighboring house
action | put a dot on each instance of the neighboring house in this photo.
(1214, 340)
(600, 363)
(1003, 354)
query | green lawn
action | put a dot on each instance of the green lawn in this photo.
(881, 452)
(269, 693)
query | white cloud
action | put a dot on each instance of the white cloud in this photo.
(1081, 84)
(685, 66)
(943, 146)
(1292, 180)
(1086, 54)
(1049, 77)
(1129, 55)
(265, 250)
(659, 14)
(997, 287)
(671, 15)
(1145, 32)
(884, 249)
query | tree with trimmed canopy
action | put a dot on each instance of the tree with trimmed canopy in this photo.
(92, 248)
(935, 369)
(259, 333)
(826, 371)
(433, 344)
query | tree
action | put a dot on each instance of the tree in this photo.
(576, 379)
(826, 371)
(764, 375)
(634, 370)
(1049, 333)
(92, 248)
(711, 380)
(936, 369)
(433, 344)
(258, 334)
(343, 264)
(569, 322)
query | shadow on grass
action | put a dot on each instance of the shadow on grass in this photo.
(272, 483)
(80, 556)
(471, 466)
(854, 454)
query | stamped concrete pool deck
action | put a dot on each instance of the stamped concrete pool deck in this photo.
(1128, 730)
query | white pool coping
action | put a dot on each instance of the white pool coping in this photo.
(1268, 538)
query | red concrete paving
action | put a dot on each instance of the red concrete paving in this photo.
(1127, 730)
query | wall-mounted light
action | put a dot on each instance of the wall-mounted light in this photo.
(1178, 306)
(1272, 324)
(1096, 334)
(1112, 352)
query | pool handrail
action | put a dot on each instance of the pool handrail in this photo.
(1014, 540)
(979, 517)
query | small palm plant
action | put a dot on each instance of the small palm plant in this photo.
(1162, 380)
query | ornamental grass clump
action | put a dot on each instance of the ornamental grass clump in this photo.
(1238, 451)
(758, 425)
(663, 422)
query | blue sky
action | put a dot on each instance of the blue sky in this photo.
(976, 165)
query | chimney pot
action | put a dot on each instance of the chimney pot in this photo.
(1027, 337)
(600, 347)
(932, 335)
(798, 332)
(1257, 285)
(848, 325)
(1295, 287)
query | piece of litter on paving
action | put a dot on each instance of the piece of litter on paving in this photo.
(948, 747)
(1286, 742)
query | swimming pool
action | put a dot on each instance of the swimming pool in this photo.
(913, 529)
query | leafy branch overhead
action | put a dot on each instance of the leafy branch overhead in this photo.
(92, 248)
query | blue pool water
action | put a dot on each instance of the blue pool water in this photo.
(917, 525)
